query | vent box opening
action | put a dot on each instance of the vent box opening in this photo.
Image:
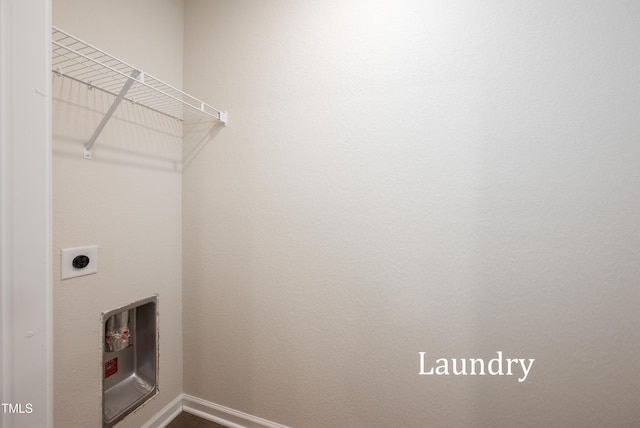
(129, 359)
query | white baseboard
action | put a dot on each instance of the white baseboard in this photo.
(166, 415)
(207, 410)
(224, 415)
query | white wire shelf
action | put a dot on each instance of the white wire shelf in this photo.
(82, 62)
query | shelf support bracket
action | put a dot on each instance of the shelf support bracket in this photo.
(130, 81)
(222, 116)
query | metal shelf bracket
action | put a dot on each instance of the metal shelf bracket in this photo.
(123, 92)
(223, 117)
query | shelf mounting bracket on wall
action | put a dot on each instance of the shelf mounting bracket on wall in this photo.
(123, 92)
(84, 63)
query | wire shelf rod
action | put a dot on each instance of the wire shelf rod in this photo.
(156, 84)
(87, 64)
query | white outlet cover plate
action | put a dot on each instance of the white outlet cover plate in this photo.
(68, 254)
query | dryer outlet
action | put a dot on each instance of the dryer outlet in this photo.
(78, 261)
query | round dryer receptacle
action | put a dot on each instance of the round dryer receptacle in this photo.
(80, 262)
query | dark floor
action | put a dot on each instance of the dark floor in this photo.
(187, 420)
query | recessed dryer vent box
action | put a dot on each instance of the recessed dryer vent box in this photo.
(129, 359)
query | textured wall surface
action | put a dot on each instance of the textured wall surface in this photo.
(127, 200)
(453, 177)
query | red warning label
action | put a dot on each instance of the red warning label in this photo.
(110, 367)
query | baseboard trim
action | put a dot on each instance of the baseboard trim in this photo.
(224, 415)
(210, 411)
(166, 415)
